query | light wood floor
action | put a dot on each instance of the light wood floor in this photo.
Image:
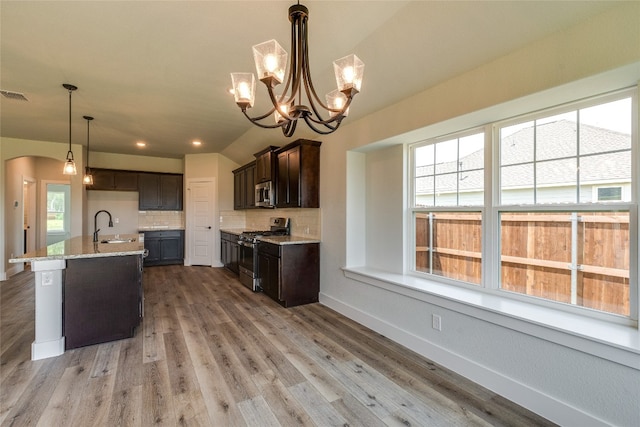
(212, 353)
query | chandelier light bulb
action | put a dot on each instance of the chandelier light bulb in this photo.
(270, 63)
(243, 91)
(348, 74)
(282, 108)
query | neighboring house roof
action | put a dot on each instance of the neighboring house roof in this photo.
(555, 140)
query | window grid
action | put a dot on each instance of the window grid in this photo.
(492, 264)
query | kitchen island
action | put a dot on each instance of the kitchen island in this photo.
(86, 292)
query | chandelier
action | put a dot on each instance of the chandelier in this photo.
(298, 99)
(70, 164)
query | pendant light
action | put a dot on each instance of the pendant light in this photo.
(88, 178)
(70, 164)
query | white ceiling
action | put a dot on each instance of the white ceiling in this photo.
(158, 71)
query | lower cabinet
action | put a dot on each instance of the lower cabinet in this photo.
(290, 274)
(102, 299)
(164, 247)
(230, 251)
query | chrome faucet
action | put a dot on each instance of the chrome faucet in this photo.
(95, 224)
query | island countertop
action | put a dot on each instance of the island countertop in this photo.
(85, 247)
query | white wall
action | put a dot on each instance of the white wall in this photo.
(16, 171)
(567, 385)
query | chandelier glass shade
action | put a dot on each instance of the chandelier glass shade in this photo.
(87, 179)
(298, 99)
(70, 164)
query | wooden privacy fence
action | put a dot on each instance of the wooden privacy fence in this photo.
(575, 258)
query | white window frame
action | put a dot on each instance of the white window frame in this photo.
(491, 254)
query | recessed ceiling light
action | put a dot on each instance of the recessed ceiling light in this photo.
(197, 143)
(141, 144)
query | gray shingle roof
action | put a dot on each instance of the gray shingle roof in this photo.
(553, 140)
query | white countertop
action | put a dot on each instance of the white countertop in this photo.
(276, 240)
(84, 247)
(288, 240)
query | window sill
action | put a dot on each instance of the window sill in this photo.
(614, 342)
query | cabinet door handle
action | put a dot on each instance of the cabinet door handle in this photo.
(209, 227)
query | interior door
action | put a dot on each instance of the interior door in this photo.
(58, 213)
(200, 223)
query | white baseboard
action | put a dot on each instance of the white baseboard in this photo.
(534, 400)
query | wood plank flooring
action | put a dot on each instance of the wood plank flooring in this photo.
(212, 353)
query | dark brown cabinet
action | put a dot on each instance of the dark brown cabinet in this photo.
(159, 191)
(265, 164)
(290, 274)
(102, 299)
(244, 183)
(114, 180)
(164, 247)
(230, 251)
(298, 175)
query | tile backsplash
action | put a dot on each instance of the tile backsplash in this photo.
(304, 222)
(168, 219)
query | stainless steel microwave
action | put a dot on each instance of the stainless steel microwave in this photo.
(265, 196)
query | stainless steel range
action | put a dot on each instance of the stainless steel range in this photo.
(249, 250)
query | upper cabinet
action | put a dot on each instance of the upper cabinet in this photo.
(113, 179)
(244, 184)
(298, 175)
(160, 191)
(265, 164)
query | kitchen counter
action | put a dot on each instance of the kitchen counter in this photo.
(159, 228)
(84, 247)
(236, 231)
(98, 296)
(276, 240)
(288, 240)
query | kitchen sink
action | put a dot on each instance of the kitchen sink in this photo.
(118, 241)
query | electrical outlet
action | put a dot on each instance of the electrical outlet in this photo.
(436, 322)
(116, 220)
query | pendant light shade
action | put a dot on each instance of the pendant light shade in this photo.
(88, 178)
(70, 164)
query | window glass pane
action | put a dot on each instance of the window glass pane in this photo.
(424, 156)
(446, 189)
(438, 181)
(556, 181)
(449, 244)
(606, 127)
(472, 182)
(472, 152)
(575, 258)
(611, 168)
(447, 156)
(516, 144)
(424, 191)
(516, 183)
(55, 211)
(557, 136)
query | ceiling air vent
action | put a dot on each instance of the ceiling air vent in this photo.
(14, 95)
